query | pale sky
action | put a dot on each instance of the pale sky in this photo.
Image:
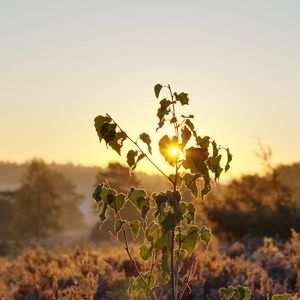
(64, 62)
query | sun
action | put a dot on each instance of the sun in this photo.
(173, 151)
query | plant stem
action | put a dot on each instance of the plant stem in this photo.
(136, 144)
(126, 246)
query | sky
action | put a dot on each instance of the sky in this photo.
(64, 62)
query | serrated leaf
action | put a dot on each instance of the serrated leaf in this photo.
(195, 160)
(205, 234)
(185, 136)
(135, 227)
(118, 225)
(140, 200)
(189, 240)
(97, 193)
(239, 293)
(206, 185)
(116, 202)
(145, 252)
(165, 144)
(227, 292)
(131, 157)
(229, 159)
(215, 149)
(242, 293)
(191, 126)
(108, 131)
(117, 143)
(190, 182)
(157, 89)
(98, 122)
(214, 165)
(203, 142)
(147, 140)
(182, 98)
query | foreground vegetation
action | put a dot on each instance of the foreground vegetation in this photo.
(104, 272)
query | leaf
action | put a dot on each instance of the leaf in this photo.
(108, 131)
(195, 160)
(165, 144)
(190, 214)
(215, 149)
(281, 297)
(206, 187)
(97, 193)
(242, 293)
(131, 157)
(239, 293)
(190, 182)
(163, 111)
(187, 117)
(191, 126)
(157, 89)
(168, 211)
(229, 159)
(137, 285)
(227, 292)
(203, 142)
(135, 226)
(140, 200)
(116, 202)
(145, 252)
(185, 136)
(118, 225)
(188, 241)
(182, 98)
(147, 140)
(214, 165)
(117, 143)
(98, 122)
(104, 196)
(205, 234)
(102, 214)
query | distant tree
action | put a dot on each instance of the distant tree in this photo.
(6, 211)
(117, 176)
(254, 205)
(44, 204)
(70, 217)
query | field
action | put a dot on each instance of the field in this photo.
(103, 272)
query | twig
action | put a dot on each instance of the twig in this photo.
(135, 143)
(188, 278)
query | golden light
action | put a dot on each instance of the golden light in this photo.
(174, 151)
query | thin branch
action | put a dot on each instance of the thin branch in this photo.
(135, 143)
(188, 278)
(136, 267)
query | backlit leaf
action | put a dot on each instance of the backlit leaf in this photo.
(131, 157)
(182, 98)
(229, 159)
(189, 240)
(157, 89)
(135, 226)
(190, 182)
(145, 252)
(205, 234)
(147, 140)
(140, 200)
(118, 225)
